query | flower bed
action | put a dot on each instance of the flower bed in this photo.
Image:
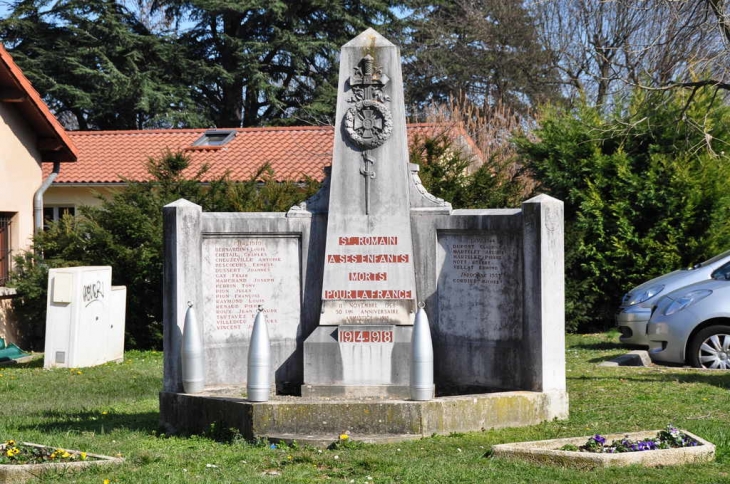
(669, 438)
(20, 462)
(554, 451)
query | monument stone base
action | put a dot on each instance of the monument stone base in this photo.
(320, 421)
(398, 392)
(358, 361)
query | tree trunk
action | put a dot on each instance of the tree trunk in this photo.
(232, 62)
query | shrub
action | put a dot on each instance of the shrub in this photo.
(481, 171)
(125, 232)
(644, 193)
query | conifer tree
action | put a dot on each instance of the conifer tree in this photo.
(256, 62)
(98, 66)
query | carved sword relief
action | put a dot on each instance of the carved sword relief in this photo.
(368, 123)
(369, 174)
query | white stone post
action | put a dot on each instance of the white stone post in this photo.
(182, 248)
(544, 297)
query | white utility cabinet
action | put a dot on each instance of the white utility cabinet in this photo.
(84, 318)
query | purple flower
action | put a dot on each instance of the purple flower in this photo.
(665, 439)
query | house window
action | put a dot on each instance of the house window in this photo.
(53, 214)
(5, 252)
(215, 137)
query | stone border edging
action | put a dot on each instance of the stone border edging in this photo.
(546, 451)
(19, 473)
(639, 358)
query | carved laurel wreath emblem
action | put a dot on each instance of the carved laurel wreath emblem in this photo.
(369, 124)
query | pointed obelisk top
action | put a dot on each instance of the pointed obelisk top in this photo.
(369, 38)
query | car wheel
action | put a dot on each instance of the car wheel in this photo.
(710, 348)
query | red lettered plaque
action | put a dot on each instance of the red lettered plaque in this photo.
(347, 335)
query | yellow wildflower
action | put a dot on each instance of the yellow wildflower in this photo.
(344, 436)
(83, 455)
(10, 443)
(107, 481)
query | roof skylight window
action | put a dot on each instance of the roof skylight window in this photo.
(215, 137)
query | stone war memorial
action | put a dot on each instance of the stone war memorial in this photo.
(340, 280)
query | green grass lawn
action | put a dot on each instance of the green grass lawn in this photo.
(113, 409)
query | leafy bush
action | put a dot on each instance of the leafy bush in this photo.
(481, 171)
(644, 191)
(125, 232)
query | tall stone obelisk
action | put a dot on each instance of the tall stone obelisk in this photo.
(369, 289)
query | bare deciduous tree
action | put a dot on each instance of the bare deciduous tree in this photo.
(486, 50)
(604, 47)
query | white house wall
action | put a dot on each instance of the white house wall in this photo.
(20, 174)
(75, 196)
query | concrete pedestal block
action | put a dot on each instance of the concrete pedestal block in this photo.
(358, 361)
(368, 392)
(303, 419)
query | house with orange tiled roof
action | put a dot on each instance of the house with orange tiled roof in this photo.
(107, 159)
(30, 138)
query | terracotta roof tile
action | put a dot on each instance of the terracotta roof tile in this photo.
(293, 152)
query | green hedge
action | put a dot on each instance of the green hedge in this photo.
(125, 232)
(645, 192)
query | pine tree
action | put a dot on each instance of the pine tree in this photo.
(260, 62)
(97, 65)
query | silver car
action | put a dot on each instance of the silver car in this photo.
(692, 325)
(635, 310)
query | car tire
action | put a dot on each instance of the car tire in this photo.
(710, 348)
